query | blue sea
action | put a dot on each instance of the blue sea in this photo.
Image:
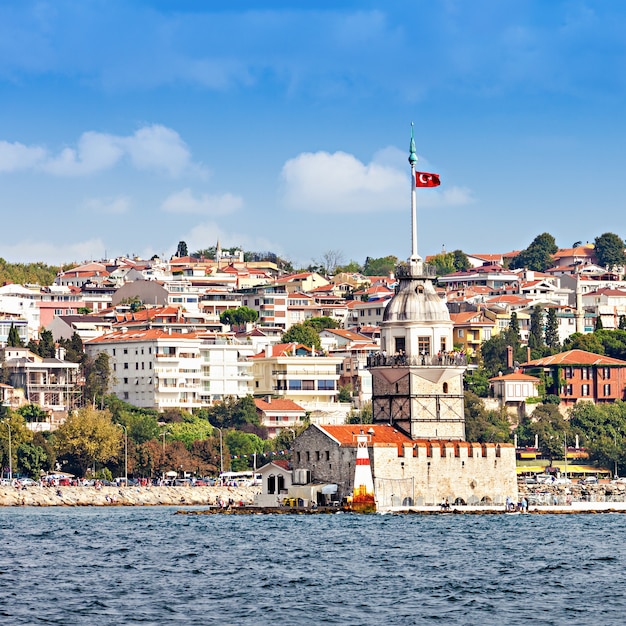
(151, 566)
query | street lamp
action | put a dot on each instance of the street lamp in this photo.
(125, 454)
(10, 452)
(221, 453)
(163, 435)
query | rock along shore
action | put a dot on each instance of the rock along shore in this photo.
(131, 496)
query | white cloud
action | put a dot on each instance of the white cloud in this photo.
(152, 147)
(30, 251)
(207, 234)
(109, 206)
(329, 183)
(160, 148)
(17, 156)
(205, 204)
(339, 183)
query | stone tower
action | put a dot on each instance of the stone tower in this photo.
(417, 379)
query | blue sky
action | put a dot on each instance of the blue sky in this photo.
(126, 127)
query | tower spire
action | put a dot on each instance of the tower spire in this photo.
(413, 160)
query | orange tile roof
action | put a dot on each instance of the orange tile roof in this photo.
(149, 334)
(516, 376)
(282, 349)
(278, 404)
(346, 434)
(575, 357)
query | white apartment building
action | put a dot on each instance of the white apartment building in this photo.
(155, 368)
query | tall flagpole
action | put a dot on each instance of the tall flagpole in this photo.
(413, 161)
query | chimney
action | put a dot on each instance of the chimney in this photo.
(268, 399)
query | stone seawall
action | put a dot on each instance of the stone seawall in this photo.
(132, 496)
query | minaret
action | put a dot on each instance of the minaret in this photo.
(417, 379)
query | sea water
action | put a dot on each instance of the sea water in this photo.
(152, 566)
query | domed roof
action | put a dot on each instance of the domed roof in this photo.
(416, 301)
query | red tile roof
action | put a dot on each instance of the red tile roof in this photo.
(516, 376)
(383, 433)
(278, 404)
(574, 357)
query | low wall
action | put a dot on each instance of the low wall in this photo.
(132, 496)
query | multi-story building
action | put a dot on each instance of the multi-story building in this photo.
(51, 383)
(155, 368)
(270, 303)
(579, 375)
(292, 371)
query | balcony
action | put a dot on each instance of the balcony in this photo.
(451, 359)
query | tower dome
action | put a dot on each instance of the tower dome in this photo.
(416, 301)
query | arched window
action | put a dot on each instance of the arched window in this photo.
(445, 387)
(271, 484)
(281, 484)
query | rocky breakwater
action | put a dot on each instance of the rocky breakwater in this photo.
(604, 491)
(131, 496)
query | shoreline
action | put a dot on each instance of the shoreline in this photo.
(127, 496)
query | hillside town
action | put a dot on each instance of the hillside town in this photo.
(210, 361)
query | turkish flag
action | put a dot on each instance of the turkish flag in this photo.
(424, 179)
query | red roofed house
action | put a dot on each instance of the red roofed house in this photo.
(512, 390)
(277, 414)
(579, 375)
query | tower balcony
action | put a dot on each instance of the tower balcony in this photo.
(454, 359)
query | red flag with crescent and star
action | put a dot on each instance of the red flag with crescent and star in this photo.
(424, 179)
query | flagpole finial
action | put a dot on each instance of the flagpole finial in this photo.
(412, 155)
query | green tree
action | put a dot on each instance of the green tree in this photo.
(13, 340)
(304, 334)
(97, 373)
(320, 323)
(602, 431)
(87, 436)
(584, 341)
(31, 459)
(477, 381)
(47, 348)
(74, 350)
(609, 249)
(538, 255)
(535, 336)
(345, 393)
(363, 416)
(551, 429)
(239, 316)
(485, 426)
(512, 333)
(551, 332)
(232, 413)
(461, 261)
(181, 250)
(443, 263)
(14, 423)
(243, 447)
(350, 268)
(189, 431)
(383, 266)
(33, 413)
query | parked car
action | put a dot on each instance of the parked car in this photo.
(589, 480)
